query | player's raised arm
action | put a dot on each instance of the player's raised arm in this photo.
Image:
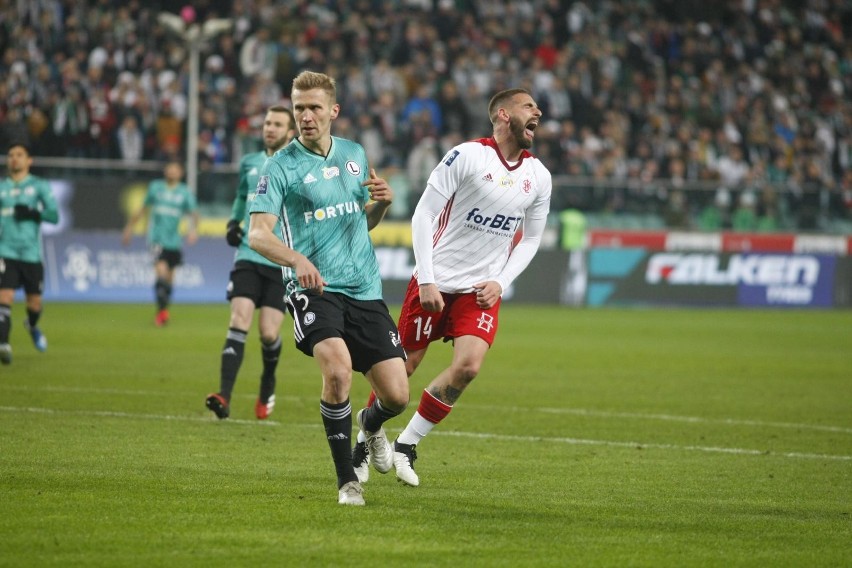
(382, 197)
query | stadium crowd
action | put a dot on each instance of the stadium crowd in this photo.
(649, 97)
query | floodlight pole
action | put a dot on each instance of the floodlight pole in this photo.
(194, 42)
(193, 37)
(192, 122)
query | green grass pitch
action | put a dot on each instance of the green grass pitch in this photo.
(607, 437)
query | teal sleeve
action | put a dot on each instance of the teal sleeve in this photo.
(238, 210)
(49, 209)
(270, 191)
(149, 196)
(191, 202)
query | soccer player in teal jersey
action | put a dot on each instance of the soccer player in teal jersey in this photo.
(166, 203)
(25, 202)
(315, 202)
(255, 282)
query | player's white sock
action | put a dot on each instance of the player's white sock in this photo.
(418, 427)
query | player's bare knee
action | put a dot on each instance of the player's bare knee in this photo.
(397, 403)
(466, 371)
(268, 338)
(337, 378)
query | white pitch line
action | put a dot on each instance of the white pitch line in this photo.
(132, 415)
(694, 419)
(643, 445)
(487, 436)
(122, 392)
(666, 417)
(573, 411)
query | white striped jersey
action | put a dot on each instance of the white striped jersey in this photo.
(477, 203)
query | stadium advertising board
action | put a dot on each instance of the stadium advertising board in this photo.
(718, 270)
(93, 266)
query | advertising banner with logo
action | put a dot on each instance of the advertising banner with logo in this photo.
(719, 269)
(631, 276)
(638, 276)
(90, 266)
(95, 267)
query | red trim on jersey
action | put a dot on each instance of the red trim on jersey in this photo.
(519, 234)
(431, 408)
(443, 220)
(493, 144)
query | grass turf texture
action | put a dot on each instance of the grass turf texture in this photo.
(591, 438)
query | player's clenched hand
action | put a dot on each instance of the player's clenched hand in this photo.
(234, 233)
(379, 188)
(25, 213)
(308, 275)
(431, 298)
(487, 294)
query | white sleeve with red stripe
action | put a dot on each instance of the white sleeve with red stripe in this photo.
(431, 215)
(431, 205)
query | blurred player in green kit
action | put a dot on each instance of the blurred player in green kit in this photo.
(255, 283)
(166, 202)
(25, 202)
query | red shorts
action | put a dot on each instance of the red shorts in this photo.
(461, 316)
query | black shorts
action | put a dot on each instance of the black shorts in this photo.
(365, 325)
(172, 257)
(260, 283)
(15, 274)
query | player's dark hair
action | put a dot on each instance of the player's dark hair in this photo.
(500, 99)
(285, 110)
(19, 145)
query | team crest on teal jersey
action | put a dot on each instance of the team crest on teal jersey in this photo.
(262, 185)
(353, 168)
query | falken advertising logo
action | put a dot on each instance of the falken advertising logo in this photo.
(761, 278)
(753, 269)
(494, 224)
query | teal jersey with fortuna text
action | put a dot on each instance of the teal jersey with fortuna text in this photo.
(21, 240)
(250, 166)
(168, 206)
(320, 205)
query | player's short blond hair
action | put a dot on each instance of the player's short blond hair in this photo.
(307, 80)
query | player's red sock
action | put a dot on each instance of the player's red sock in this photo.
(432, 409)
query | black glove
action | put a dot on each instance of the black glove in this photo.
(24, 213)
(235, 233)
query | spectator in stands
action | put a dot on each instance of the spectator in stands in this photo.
(421, 115)
(455, 115)
(732, 168)
(716, 215)
(130, 140)
(258, 55)
(809, 200)
(768, 210)
(676, 214)
(744, 216)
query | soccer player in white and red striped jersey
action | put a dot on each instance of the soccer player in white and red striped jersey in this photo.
(475, 229)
